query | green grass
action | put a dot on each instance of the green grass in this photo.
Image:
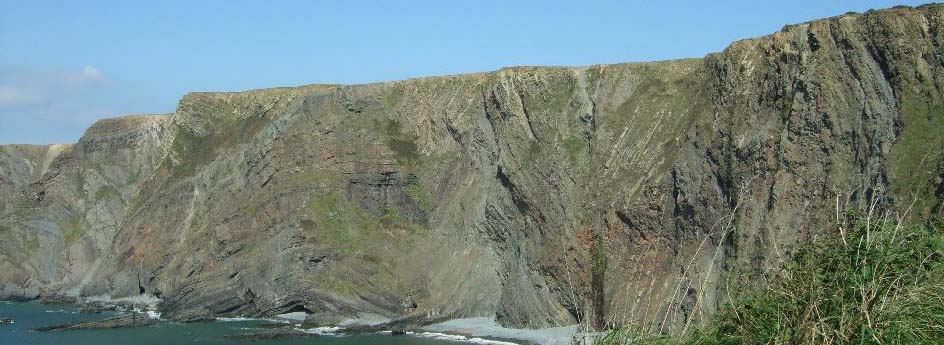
(72, 231)
(106, 191)
(576, 148)
(418, 195)
(227, 132)
(30, 244)
(333, 216)
(532, 155)
(392, 219)
(914, 157)
(599, 258)
(876, 282)
(392, 96)
(578, 153)
(79, 183)
(21, 208)
(344, 224)
(17, 243)
(403, 145)
(194, 151)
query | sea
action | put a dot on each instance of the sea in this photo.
(30, 315)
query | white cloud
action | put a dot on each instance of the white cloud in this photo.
(89, 76)
(41, 105)
(11, 96)
(93, 74)
(28, 87)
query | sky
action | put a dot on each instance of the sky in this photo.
(66, 64)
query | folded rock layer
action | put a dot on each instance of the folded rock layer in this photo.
(538, 195)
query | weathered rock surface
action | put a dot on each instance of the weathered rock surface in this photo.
(123, 321)
(272, 334)
(538, 195)
(22, 164)
(58, 230)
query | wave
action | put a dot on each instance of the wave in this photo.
(324, 330)
(237, 319)
(59, 311)
(248, 319)
(460, 338)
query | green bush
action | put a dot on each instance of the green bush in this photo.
(876, 282)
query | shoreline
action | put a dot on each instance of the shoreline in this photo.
(487, 327)
(474, 330)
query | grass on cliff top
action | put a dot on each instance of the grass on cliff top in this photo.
(197, 150)
(880, 282)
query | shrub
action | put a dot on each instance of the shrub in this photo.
(876, 282)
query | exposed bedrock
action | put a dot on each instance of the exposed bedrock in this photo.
(537, 195)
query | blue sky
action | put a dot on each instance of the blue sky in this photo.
(65, 64)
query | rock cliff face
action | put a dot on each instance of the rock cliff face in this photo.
(542, 196)
(22, 164)
(58, 229)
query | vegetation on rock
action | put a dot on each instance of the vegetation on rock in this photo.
(873, 281)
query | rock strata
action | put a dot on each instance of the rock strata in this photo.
(127, 320)
(538, 196)
(272, 334)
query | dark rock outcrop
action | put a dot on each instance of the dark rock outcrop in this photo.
(127, 320)
(272, 334)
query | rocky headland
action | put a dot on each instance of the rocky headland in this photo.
(536, 197)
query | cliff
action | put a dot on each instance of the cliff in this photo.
(22, 164)
(538, 195)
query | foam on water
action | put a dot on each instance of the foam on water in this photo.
(297, 316)
(236, 319)
(460, 338)
(324, 330)
(60, 311)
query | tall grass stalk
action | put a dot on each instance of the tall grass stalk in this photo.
(877, 281)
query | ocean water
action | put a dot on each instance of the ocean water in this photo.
(32, 315)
